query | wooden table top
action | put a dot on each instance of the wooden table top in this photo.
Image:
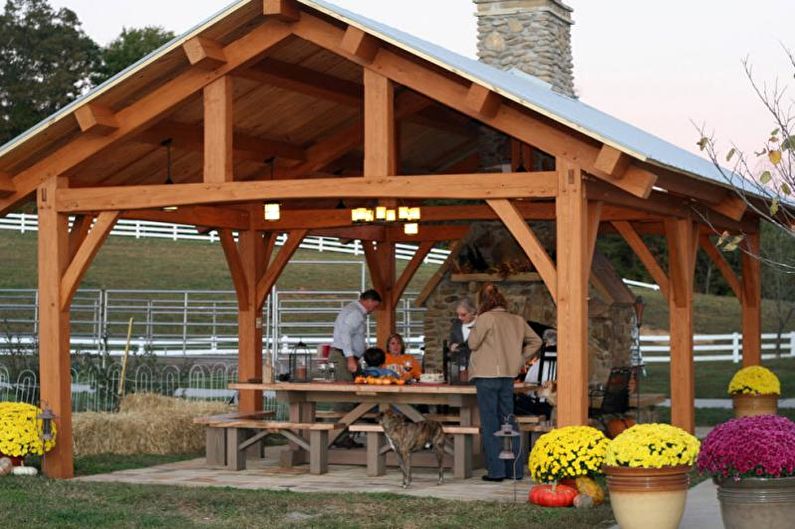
(344, 387)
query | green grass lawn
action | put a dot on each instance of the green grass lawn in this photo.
(39, 502)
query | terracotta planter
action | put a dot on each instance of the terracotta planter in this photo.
(648, 498)
(746, 405)
(767, 503)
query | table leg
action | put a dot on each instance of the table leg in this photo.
(216, 446)
(235, 458)
(318, 451)
(376, 458)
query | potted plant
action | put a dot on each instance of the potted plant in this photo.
(22, 432)
(563, 461)
(647, 469)
(752, 460)
(754, 391)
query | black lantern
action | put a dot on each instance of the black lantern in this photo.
(46, 417)
(456, 364)
(300, 363)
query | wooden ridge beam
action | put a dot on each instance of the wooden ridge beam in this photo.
(204, 53)
(284, 10)
(411, 269)
(96, 119)
(430, 286)
(275, 268)
(451, 92)
(472, 186)
(145, 110)
(85, 254)
(78, 233)
(218, 131)
(7, 186)
(236, 268)
(722, 264)
(251, 148)
(528, 241)
(635, 242)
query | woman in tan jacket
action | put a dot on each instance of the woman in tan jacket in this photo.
(500, 342)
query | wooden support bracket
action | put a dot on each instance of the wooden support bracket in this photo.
(236, 268)
(430, 286)
(275, 268)
(723, 265)
(648, 260)
(411, 268)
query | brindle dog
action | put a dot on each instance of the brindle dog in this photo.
(405, 437)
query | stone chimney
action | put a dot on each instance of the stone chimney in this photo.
(531, 35)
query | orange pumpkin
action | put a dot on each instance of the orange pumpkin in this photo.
(616, 426)
(552, 495)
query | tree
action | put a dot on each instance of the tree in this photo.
(45, 63)
(126, 49)
(772, 175)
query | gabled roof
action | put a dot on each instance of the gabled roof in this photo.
(530, 93)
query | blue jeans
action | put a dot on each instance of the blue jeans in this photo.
(495, 402)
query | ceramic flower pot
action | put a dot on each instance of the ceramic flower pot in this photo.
(748, 405)
(648, 498)
(748, 503)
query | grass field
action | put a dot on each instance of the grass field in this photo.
(73, 504)
(125, 263)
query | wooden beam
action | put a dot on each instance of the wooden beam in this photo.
(643, 253)
(733, 207)
(411, 269)
(276, 267)
(85, 254)
(380, 147)
(657, 202)
(145, 111)
(722, 264)
(752, 298)
(218, 131)
(251, 148)
(516, 122)
(78, 233)
(360, 45)
(251, 251)
(682, 236)
(612, 161)
(54, 324)
(528, 241)
(204, 53)
(96, 119)
(593, 222)
(305, 81)
(573, 271)
(208, 216)
(429, 287)
(363, 233)
(427, 233)
(7, 186)
(483, 101)
(284, 10)
(381, 263)
(472, 186)
(236, 267)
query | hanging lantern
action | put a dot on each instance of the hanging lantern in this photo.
(403, 212)
(391, 215)
(47, 416)
(507, 433)
(411, 228)
(359, 215)
(414, 214)
(273, 212)
(380, 213)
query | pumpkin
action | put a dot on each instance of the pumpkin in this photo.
(25, 471)
(6, 466)
(616, 426)
(552, 495)
(583, 501)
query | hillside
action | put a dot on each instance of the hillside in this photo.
(125, 263)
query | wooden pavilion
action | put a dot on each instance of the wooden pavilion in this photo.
(302, 103)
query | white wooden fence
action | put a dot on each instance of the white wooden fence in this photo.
(716, 347)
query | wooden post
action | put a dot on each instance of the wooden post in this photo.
(380, 151)
(218, 131)
(54, 358)
(572, 296)
(381, 263)
(752, 300)
(682, 236)
(252, 257)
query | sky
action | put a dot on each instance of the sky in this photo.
(662, 66)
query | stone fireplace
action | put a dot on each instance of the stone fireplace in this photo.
(532, 36)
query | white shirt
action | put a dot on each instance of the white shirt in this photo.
(466, 328)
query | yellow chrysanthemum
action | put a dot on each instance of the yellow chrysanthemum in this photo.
(567, 452)
(754, 380)
(21, 430)
(652, 446)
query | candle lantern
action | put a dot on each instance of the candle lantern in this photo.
(47, 416)
(457, 364)
(507, 433)
(300, 363)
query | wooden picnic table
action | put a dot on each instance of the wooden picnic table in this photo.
(303, 398)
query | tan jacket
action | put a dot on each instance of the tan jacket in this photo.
(500, 342)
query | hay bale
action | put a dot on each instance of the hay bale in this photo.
(147, 424)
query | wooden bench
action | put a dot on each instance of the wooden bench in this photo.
(215, 444)
(377, 448)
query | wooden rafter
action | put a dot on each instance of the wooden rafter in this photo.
(7, 186)
(528, 241)
(723, 265)
(411, 269)
(437, 86)
(85, 254)
(276, 267)
(359, 45)
(144, 111)
(483, 101)
(236, 267)
(204, 53)
(472, 186)
(648, 260)
(96, 119)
